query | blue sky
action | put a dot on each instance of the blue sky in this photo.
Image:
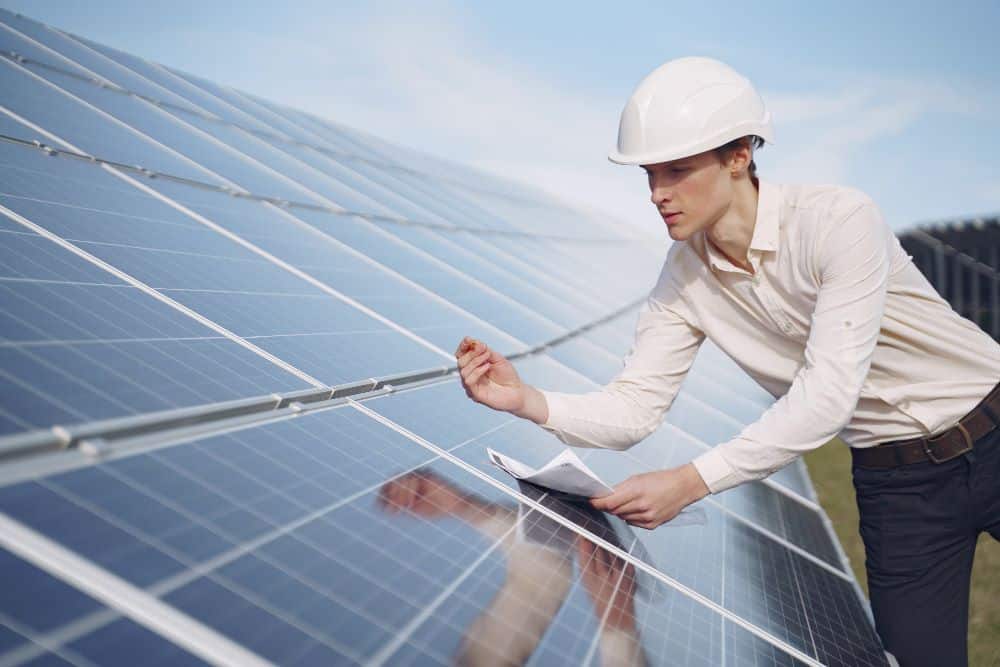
(899, 101)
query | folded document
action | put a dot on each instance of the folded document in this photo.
(567, 474)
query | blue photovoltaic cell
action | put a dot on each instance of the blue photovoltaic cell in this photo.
(616, 335)
(78, 344)
(479, 261)
(161, 127)
(234, 486)
(34, 604)
(338, 266)
(842, 631)
(490, 301)
(252, 297)
(587, 358)
(12, 128)
(85, 128)
(610, 280)
(745, 649)
(788, 518)
(163, 78)
(77, 59)
(798, 601)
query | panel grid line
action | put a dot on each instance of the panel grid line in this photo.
(118, 594)
(607, 612)
(157, 295)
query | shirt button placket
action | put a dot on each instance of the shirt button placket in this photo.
(776, 314)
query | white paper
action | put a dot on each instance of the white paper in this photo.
(567, 474)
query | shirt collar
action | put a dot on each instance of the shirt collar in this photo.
(765, 229)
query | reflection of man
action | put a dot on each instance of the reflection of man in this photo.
(611, 584)
(808, 290)
(538, 577)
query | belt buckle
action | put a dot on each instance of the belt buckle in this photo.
(968, 445)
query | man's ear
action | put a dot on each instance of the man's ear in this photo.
(740, 158)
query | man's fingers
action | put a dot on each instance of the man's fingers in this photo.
(613, 501)
(476, 374)
(473, 365)
(474, 353)
(603, 503)
(634, 506)
(468, 355)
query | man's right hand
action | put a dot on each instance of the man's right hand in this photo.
(488, 377)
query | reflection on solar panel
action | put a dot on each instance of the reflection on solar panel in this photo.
(230, 430)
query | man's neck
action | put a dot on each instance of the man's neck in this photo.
(732, 234)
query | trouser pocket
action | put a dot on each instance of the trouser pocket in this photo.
(912, 516)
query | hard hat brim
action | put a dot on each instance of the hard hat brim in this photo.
(762, 130)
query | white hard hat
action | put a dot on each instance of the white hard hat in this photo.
(687, 106)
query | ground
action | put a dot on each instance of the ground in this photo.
(830, 469)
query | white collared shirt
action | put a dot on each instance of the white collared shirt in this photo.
(836, 320)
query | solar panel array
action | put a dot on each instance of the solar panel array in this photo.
(231, 431)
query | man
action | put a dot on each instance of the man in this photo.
(809, 291)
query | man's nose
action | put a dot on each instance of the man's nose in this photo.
(659, 194)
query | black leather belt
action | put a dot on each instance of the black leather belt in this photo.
(944, 446)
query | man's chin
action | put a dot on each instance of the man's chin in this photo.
(677, 234)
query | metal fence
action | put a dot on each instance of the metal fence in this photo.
(962, 260)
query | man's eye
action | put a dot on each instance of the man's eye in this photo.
(678, 170)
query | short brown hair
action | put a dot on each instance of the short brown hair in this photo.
(755, 142)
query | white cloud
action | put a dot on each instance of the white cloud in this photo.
(424, 82)
(829, 128)
(421, 79)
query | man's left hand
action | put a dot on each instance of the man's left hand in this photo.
(649, 499)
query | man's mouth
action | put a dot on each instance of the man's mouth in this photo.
(670, 217)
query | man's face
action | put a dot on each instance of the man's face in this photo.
(696, 190)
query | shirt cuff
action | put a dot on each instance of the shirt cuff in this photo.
(556, 407)
(716, 471)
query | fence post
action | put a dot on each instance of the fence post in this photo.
(941, 283)
(957, 294)
(995, 295)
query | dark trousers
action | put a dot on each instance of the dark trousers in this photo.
(919, 524)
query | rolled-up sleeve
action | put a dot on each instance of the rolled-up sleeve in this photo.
(852, 265)
(633, 403)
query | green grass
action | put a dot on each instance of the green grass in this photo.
(830, 469)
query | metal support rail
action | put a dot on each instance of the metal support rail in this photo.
(289, 204)
(92, 437)
(270, 136)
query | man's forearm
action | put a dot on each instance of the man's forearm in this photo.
(535, 408)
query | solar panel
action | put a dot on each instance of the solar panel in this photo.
(231, 430)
